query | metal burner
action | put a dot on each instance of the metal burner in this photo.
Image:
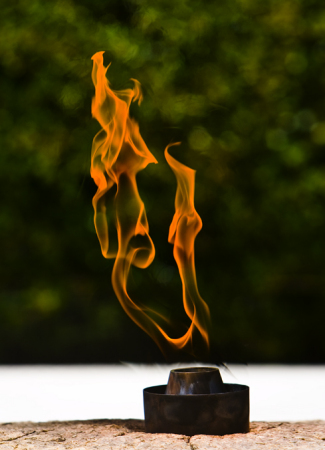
(196, 401)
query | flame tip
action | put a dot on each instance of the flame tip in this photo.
(95, 55)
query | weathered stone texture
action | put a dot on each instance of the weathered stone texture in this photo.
(129, 434)
(264, 436)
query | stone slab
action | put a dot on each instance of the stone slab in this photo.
(129, 434)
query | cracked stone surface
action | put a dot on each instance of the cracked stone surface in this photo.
(129, 434)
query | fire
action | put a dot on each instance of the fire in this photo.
(118, 154)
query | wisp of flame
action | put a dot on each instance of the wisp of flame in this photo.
(118, 154)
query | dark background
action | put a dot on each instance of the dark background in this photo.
(242, 84)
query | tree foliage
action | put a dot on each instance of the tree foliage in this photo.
(241, 84)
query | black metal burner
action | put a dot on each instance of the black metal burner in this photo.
(196, 401)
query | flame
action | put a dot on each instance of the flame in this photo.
(183, 230)
(118, 154)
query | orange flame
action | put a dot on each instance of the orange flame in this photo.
(118, 154)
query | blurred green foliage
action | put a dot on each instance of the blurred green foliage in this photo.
(242, 84)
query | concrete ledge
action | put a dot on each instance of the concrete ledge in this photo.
(129, 434)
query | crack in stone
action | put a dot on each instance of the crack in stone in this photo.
(192, 446)
(18, 437)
